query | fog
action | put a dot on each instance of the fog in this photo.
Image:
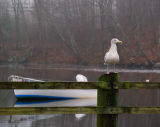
(78, 32)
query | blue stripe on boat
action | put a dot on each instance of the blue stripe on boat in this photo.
(45, 99)
(43, 96)
(35, 102)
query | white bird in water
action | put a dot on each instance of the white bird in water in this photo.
(81, 78)
(112, 57)
(80, 116)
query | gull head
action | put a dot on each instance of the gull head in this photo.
(115, 41)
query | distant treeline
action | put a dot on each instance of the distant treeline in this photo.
(79, 31)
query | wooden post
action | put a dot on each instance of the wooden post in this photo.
(108, 98)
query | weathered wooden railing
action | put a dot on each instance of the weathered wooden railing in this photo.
(107, 109)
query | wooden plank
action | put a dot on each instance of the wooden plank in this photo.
(76, 110)
(108, 98)
(78, 85)
(50, 85)
(137, 85)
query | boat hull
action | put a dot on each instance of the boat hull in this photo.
(53, 94)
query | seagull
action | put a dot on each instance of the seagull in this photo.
(81, 78)
(112, 57)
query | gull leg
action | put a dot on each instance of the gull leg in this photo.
(107, 69)
(115, 69)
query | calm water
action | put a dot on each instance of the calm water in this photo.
(68, 73)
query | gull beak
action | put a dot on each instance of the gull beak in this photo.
(121, 42)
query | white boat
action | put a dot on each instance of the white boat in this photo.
(49, 94)
(59, 103)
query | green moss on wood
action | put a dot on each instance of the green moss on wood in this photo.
(125, 85)
(108, 98)
(49, 85)
(104, 83)
(138, 85)
(104, 113)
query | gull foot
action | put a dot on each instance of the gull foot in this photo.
(107, 72)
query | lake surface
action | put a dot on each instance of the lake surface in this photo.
(68, 73)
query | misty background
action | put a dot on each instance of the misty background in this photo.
(78, 32)
(54, 40)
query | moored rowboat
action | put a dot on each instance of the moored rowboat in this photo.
(49, 94)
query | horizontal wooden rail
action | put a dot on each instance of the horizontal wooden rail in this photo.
(50, 85)
(78, 85)
(78, 110)
(108, 86)
(137, 85)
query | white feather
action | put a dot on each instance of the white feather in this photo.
(81, 78)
